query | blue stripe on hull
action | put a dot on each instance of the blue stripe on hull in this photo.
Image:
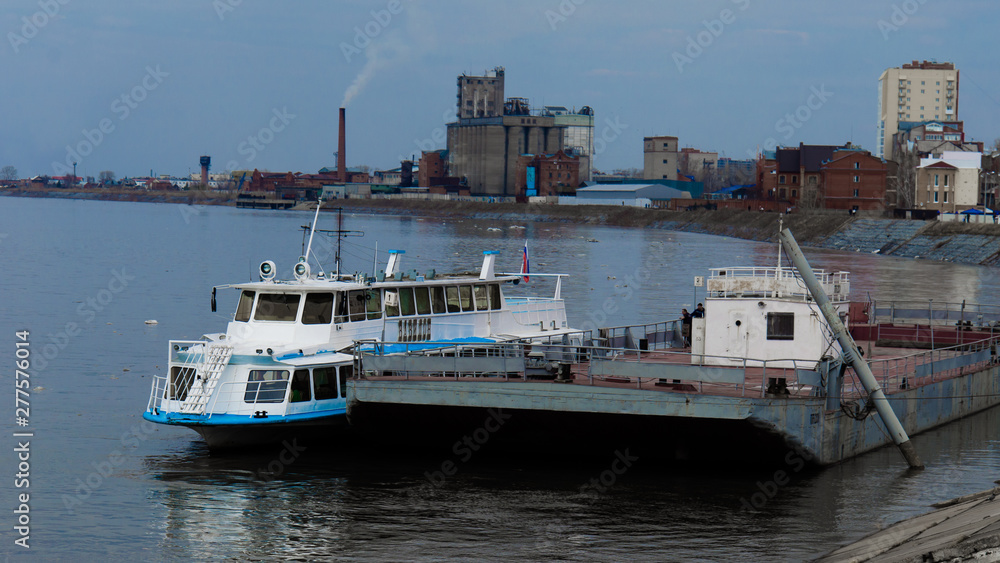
(191, 420)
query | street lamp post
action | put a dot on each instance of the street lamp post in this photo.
(74, 174)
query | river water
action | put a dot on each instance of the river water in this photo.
(82, 277)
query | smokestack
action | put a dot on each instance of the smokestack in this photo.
(341, 149)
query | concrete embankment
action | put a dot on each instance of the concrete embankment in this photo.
(963, 529)
(952, 242)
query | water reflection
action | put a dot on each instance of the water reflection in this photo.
(363, 503)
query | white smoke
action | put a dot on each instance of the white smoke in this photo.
(398, 45)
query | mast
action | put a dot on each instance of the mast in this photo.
(850, 349)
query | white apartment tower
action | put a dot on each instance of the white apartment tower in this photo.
(917, 92)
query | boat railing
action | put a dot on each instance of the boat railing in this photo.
(157, 393)
(645, 369)
(652, 336)
(920, 368)
(178, 347)
(932, 313)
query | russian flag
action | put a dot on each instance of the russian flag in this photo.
(524, 262)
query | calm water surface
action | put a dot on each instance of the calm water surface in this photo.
(83, 276)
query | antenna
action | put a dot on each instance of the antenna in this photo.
(339, 231)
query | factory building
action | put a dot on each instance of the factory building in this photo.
(485, 145)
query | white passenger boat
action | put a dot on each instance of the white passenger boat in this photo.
(284, 360)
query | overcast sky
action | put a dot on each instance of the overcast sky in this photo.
(142, 85)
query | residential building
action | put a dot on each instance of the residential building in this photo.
(948, 182)
(853, 179)
(660, 158)
(697, 164)
(919, 91)
(798, 173)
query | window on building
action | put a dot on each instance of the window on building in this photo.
(795, 179)
(664, 161)
(935, 197)
(946, 197)
(857, 165)
(794, 193)
(855, 192)
(857, 179)
(935, 180)
(781, 326)
(781, 179)
(946, 180)
(921, 82)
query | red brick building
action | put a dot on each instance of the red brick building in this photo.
(853, 179)
(555, 174)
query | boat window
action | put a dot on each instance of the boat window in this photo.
(496, 302)
(781, 326)
(277, 307)
(300, 386)
(359, 305)
(453, 303)
(374, 297)
(318, 309)
(437, 299)
(465, 296)
(325, 383)
(266, 386)
(406, 301)
(391, 303)
(423, 300)
(346, 372)
(245, 306)
(482, 298)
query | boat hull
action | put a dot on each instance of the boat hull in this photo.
(222, 434)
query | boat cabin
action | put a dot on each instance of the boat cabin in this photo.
(766, 314)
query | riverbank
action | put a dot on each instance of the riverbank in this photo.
(962, 529)
(950, 242)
